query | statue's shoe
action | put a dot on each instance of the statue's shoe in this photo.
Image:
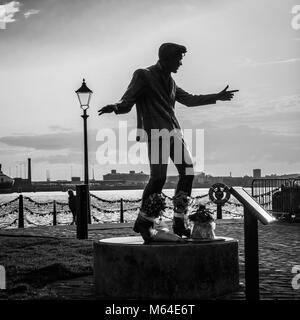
(179, 228)
(146, 228)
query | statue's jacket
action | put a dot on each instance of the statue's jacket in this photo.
(154, 93)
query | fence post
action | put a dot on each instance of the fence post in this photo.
(21, 212)
(89, 209)
(82, 205)
(121, 211)
(54, 213)
(219, 211)
(251, 256)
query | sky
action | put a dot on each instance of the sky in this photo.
(48, 46)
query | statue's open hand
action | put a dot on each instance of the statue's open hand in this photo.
(107, 109)
(225, 95)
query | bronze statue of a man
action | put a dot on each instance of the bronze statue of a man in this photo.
(154, 92)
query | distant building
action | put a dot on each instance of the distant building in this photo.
(200, 178)
(5, 181)
(172, 179)
(283, 176)
(75, 179)
(48, 176)
(22, 185)
(256, 173)
(131, 177)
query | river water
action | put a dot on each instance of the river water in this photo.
(105, 194)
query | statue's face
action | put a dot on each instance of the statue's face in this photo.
(175, 64)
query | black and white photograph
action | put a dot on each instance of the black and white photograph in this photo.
(149, 153)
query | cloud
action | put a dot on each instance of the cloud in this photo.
(244, 144)
(249, 62)
(51, 141)
(31, 12)
(7, 12)
(59, 128)
(280, 114)
(71, 157)
(238, 145)
(58, 147)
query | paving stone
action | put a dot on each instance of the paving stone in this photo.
(279, 251)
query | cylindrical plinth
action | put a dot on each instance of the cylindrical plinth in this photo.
(126, 268)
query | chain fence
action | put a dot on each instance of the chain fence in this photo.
(47, 213)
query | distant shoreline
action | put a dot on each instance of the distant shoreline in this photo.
(64, 188)
(92, 188)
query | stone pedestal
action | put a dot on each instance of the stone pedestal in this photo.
(126, 268)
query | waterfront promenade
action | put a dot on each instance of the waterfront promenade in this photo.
(50, 263)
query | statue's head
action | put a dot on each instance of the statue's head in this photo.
(170, 56)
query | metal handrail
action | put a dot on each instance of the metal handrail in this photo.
(253, 212)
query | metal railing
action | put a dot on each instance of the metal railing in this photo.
(279, 196)
(253, 212)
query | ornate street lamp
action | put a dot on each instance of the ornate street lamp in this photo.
(84, 96)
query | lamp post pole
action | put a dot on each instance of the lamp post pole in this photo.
(86, 161)
(84, 95)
